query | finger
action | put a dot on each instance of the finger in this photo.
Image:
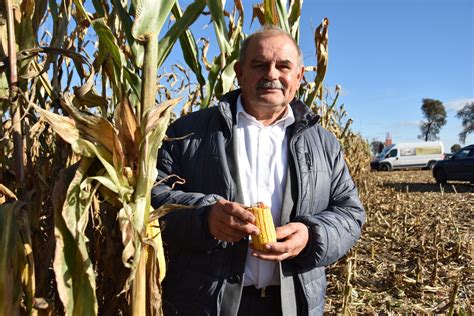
(240, 212)
(279, 247)
(244, 227)
(271, 256)
(236, 223)
(283, 232)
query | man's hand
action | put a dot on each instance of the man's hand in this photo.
(292, 239)
(230, 221)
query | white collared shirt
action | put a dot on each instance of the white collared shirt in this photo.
(262, 163)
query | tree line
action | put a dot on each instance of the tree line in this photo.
(434, 113)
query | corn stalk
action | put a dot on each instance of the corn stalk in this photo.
(17, 132)
(95, 113)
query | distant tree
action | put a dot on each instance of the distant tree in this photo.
(435, 114)
(466, 114)
(376, 147)
(455, 148)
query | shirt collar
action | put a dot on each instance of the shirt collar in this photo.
(286, 120)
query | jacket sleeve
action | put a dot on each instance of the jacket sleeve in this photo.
(187, 227)
(333, 231)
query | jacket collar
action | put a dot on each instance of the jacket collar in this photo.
(303, 115)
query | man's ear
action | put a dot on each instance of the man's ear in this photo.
(301, 73)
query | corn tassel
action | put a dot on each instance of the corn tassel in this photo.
(264, 222)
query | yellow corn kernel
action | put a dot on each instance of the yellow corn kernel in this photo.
(264, 222)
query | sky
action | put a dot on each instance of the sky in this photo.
(388, 55)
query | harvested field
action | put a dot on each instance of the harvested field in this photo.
(416, 252)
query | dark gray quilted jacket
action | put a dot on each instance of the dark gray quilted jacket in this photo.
(204, 275)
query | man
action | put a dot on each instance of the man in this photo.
(258, 145)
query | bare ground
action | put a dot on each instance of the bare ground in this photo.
(416, 251)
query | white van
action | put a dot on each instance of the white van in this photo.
(409, 155)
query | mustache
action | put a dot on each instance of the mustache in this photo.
(266, 84)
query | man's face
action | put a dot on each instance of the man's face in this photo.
(270, 74)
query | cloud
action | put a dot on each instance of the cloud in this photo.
(456, 105)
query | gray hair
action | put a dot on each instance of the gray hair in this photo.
(268, 30)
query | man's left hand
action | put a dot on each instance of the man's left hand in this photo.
(292, 239)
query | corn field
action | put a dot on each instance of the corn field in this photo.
(85, 101)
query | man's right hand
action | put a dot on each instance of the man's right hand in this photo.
(230, 221)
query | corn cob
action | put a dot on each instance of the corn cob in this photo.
(264, 222)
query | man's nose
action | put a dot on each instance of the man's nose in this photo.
(272, 72)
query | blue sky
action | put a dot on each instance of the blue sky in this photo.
(388, 55)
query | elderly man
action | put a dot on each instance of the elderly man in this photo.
(260, 144)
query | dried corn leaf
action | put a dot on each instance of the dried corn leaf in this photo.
(92, 127)
(72, 266)
(12, 260)
(64, 126)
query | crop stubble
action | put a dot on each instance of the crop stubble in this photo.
(416, 251)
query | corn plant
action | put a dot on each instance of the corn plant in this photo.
(87, 109)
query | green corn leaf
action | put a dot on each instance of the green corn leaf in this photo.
(124, 77)
(220, 28)
(107, 43)
(186, 38)
(150, 17)
(294, 18)
(99, 9)
(191, 55)
(88, 149)
(134, 227)
(157, 120)
(133, 88)
(82, 10)
(106, 182)
(72, 266)
(137, 49)
(211, 83)
(228, 76)
(282, 13)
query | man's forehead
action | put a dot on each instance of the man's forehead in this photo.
(267, 36)
(280, 60)
(260, 47)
